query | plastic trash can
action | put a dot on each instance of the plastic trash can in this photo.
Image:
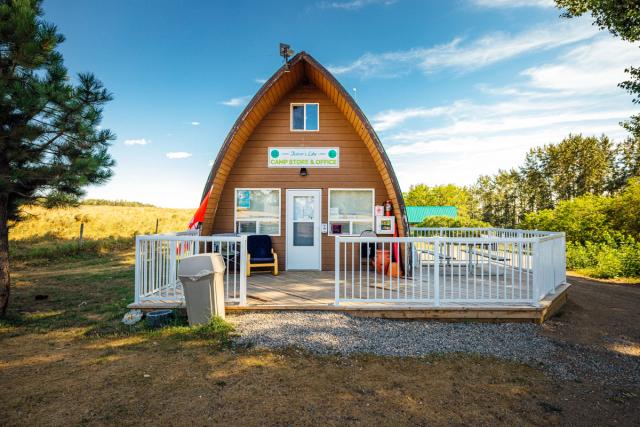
(202, 278)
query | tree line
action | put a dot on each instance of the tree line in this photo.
(549, 175)
(553, 173)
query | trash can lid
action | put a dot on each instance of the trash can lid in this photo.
(197, 276)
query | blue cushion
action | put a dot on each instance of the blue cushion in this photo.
(261, 260)
(259, 246)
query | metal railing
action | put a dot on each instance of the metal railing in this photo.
(450, 266)
(158, 257)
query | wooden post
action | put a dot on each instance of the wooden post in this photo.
(81, 233)
(157, 220)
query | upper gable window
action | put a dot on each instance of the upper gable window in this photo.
(305, 117)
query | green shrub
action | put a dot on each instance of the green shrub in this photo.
(605, 259)
(458, 222)
(583, 218)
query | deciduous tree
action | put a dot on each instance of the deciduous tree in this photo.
(622, 19)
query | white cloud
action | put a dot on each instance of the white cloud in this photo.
(236, 102)
(513, 122)
(461, 159)
(178, 155)
(260, 81)
(389, 119)
(598, 66)
(141, 141)
(457, 142)
(353, 4)
(195, 123)
(467, 56)
(514, 3)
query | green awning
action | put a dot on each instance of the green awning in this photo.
(417, 214)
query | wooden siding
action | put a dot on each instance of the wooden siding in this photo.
(357, 167)
(302, 69)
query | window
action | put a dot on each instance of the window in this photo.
(257, 211)
(305, 117)
(350, 211)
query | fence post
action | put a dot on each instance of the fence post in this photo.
(436, 273)
(337, 269)
(81, 234)
(243, 270)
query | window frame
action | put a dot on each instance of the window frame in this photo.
(304, 120)
(350, 221)
(235, 212)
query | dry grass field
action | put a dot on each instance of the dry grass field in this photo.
(54, 233)
(100, 222)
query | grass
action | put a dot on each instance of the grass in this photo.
(67, 359)
(90, 295)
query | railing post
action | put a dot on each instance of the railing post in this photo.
(436, 273)
(173, 260)
(138, 268)
(537, 272)
(563, 258)
(552, 265)
(337, 269)
(243, 271)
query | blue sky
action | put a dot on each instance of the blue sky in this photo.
(454, 89)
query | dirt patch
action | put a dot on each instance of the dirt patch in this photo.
(599, 314)
(74, 381)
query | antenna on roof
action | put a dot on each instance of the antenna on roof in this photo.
(286, 52)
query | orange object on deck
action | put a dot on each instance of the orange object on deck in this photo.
(382, 260)
(395, 270)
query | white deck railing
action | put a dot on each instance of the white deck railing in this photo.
(158, 257)
(454, 266)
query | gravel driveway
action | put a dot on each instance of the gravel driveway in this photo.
(339, 333)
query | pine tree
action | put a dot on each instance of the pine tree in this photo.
(51, 144)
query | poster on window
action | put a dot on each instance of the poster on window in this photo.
(244, 199)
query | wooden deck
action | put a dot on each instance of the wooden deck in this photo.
(300, 288)
(309, 290)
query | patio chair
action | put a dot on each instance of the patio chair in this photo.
(261, 254)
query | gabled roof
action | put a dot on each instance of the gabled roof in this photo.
(417, 214)
(301, 66)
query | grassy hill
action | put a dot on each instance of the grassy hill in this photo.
(50, 233)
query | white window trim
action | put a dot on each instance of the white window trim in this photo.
(350, 221)
(235, 211)
(304, 120)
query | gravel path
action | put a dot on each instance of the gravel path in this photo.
(339, 333)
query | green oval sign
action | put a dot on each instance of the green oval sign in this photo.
(275, 154)
(332, 154)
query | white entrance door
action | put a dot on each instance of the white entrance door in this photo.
(303, 229)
